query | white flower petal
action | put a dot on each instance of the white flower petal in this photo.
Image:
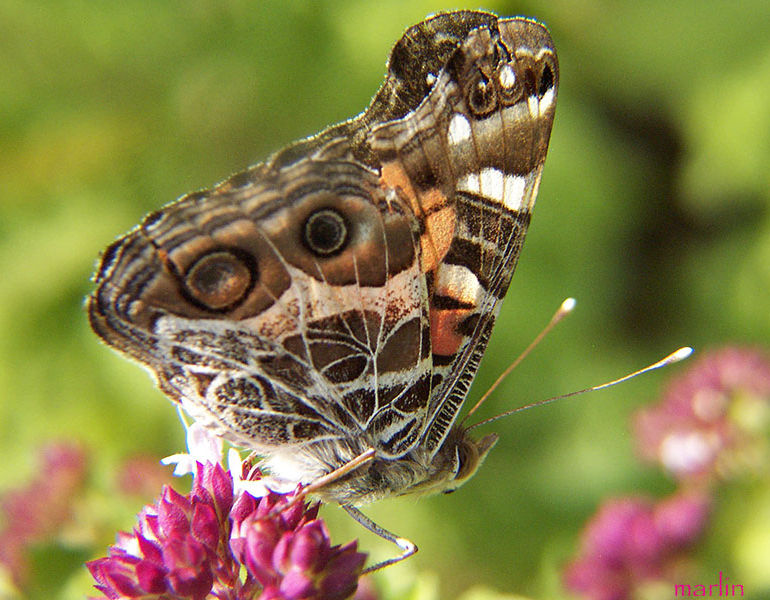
(184, 464)
(204, 445)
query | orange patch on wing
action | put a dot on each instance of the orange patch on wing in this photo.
(393, 176)
(431, 207)
(439, 231)
(444, 337)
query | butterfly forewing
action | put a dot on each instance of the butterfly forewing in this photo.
(469, 157)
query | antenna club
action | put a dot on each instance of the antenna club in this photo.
(680, 354)
(567, 305)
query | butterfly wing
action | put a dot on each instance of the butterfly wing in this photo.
(345, 290)
(284, 307)
(469, 160)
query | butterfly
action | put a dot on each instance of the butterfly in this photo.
(329, 307)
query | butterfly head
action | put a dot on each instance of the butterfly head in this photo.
(455, 463)
(468, 456)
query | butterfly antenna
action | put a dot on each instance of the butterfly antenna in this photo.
(565, 308)
(680, 354)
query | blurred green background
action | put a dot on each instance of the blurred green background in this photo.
(653, 212)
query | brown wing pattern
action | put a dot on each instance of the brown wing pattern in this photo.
(268, 323)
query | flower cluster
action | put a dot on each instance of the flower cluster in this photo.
(711, 424)
(221, 542)
(37, 511)
(631, 540)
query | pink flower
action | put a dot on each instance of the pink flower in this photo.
(632, 541)
(37, 511)
(712, 421)
(291, 555)
(194, 546)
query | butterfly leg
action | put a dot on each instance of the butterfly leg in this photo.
(340, 472)
(325, 480)
(407, 547)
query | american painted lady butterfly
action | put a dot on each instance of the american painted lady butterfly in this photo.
(335, 301)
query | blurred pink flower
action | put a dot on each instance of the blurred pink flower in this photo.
(37, 511)
(633, 541)
(712, 421)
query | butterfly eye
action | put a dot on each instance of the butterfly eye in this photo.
(466, 460)
(219, 280)
(481, 95)
(326, 232)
